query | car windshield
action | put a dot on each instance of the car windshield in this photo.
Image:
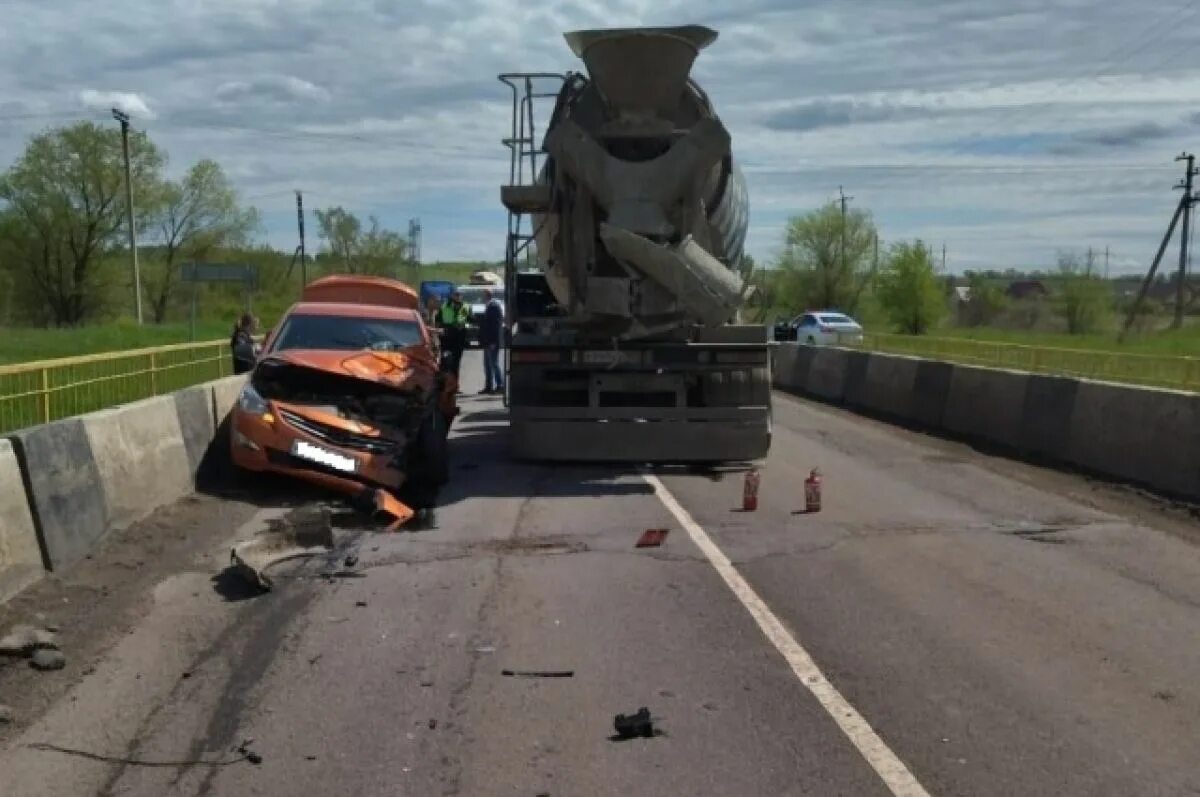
(345, 333)
(831, 318)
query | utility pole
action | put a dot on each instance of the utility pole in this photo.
(845, 199)
(414, 246)
(1188, 200)
(300, 226)
(123, 118)
(1106, 262)
(943, 257)
(1182, 209)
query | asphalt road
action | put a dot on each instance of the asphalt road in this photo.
(998, 629)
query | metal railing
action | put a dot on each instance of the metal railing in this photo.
(1178, 373)
(40, 392)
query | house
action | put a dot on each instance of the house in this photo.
(1026, 289)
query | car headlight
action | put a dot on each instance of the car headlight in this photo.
(250, 401)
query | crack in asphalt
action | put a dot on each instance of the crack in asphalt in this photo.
(495, 548)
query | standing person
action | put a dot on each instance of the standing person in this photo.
(452, 320)
(491, 337)
(245, 350)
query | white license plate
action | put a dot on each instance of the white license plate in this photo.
(322, 456)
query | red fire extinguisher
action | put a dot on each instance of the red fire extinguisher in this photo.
(812, 492)
(750, 491)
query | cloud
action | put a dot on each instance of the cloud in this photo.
(951, 120)
(271, 88)
(127, 101)
(817, 114)
(1127, 135)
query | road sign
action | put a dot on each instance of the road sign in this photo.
(219, 272)
(239, 273)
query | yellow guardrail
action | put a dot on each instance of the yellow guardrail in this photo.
(40, 392)
(1179, 373)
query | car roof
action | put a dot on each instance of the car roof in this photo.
(354, 310)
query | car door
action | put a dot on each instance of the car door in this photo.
(806, 327)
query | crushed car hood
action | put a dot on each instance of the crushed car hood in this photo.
(410, 367)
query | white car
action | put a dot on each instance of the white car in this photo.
(826, 328)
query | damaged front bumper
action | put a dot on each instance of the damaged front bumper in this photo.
(266, 442)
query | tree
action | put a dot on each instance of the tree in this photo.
(373, 251)
(64, 207)
(986, 301)
(195, 216)
(1084, 296)
(817, 272)
(909, 289)
(340, 231)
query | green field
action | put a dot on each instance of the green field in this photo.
(23, 344)
(1180, 343)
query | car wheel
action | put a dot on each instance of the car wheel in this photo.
(428, 464)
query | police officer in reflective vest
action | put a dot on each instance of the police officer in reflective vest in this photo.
(452, 320)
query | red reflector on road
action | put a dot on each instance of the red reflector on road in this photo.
(652, 538)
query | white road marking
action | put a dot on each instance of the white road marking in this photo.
(886, 764)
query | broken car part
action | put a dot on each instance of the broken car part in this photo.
(634, 725)
(309, 534)
(538, 673)
(652, 538)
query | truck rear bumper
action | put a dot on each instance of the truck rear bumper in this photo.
(662, 436)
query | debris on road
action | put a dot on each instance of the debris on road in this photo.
(433, 725)
(6, 714)
(652, 538)
(351, 560)
(46, 659)
(23, 640)
(360, 603)
(298, 535)
(634, 725)
(538, 673)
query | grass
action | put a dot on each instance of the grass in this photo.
(22, 344)
(1173, 343)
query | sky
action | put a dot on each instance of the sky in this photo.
(1007, 131)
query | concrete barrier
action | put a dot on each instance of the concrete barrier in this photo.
(1149, 437)
(64, 485)
(66, 499)
(140, 456)
(985, 404)
(887, 388)
(197, 422)
(225, 393)
(931, 390)
(827, 374)
(1046, 416)
(1142, 435)
(20, 555)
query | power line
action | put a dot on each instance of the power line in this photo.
(1115, 59)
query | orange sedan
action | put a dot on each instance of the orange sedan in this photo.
(348, 395)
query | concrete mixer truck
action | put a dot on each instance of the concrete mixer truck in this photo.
(626, 224)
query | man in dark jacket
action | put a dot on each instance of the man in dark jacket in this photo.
(245, 350)
(491, 336)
